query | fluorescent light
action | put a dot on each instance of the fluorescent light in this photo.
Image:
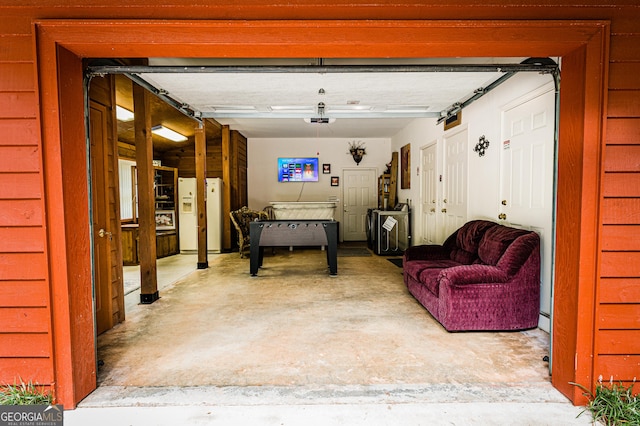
(168, 134)
(123, 114)
(320, 120)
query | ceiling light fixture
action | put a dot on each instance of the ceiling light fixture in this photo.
(123, 114)
(168, 134)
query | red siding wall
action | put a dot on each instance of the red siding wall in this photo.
(25, 316)
(25, 294)
(617, 338)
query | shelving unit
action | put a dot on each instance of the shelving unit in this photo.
(387, 186)
(165, 193)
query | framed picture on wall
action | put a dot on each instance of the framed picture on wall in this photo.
(326, 168)
(335, 181)
(165, 219)
(405, 167)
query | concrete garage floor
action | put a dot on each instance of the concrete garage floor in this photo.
(294, 338)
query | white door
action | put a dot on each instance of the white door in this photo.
(454, 198)
(527, 178)
(429, 196)
(359, 195)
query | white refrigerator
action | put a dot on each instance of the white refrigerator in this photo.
(187, 211)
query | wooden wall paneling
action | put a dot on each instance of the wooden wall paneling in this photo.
(13, 266)
(621, 211)
(619, 316)
(17, 77)
(38, 368)
(33, 293)
(621, 185)
(624, 47)
(623, 131)
(20, 185)
(621, 264)
(24, 320)
(24, 239)
(620, 290)
(227, 227)
(619, 342)
(618, 367)
(18, 105)
(18, 132)
(624, 103)
(32, 345)
(622, 158)
(621, 237)
(20, 159)
(622, 75)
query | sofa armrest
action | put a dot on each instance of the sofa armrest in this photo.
(426, 252)
(474, 274)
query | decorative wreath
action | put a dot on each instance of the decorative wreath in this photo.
(481, 146)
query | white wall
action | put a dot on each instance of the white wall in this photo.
(262, 174)
(482, 117)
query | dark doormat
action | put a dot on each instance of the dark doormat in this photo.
(353, 252)
(397, 262)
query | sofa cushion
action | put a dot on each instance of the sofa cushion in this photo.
(415, 268)
(468, 240)
(429, 279)
(495, 241)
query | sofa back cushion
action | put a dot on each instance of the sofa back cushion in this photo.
(525, 247)
(495, 242)
(468, 239)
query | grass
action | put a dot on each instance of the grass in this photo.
(613, 404)
(24, 394)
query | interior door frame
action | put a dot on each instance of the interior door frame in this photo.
(62, 44)
(343, 191)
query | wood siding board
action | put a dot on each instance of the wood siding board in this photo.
(619, 316)
(620, 264)
(24, 320)
(621, 211)
(37, 370)
(19, 159)
(23, 266)
(624, 48)
(619, 342)
(621, 238)
(20, 186)
(623, 76)
(623, 131)
(16, 48)
(24, 294)
(18, 105)
(618, 367)
(20, 212)
(22, 239)
(19, 132)
(17, 77)
(621, 185)
(619, 290)
(622, 158)
(33, 345)
(624, 103)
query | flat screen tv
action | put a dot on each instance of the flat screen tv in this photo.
(303, 169)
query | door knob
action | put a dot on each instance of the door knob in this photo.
(102, 233)
(504, 202)
(444, 201)
(443, 210)
(433, 210)
(502, 216)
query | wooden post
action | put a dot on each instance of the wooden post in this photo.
(226, 189)
(146, 196)
(201, 175)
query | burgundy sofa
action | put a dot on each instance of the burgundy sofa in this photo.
(485, 276)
